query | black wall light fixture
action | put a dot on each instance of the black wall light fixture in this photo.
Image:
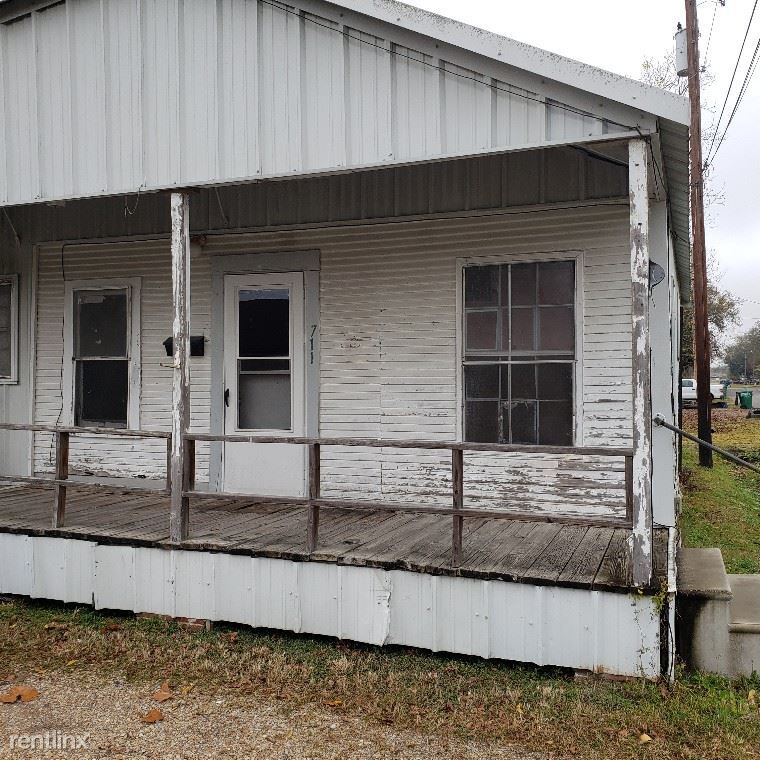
(197, 345)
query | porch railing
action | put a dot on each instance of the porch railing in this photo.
(314, 502)
(61, 482)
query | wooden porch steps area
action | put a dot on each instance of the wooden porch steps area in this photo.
(540, 553)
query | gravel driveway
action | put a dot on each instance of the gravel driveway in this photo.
(107, 715)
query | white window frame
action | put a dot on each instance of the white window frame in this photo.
(527, 258)
(12, 279)
(134, 344)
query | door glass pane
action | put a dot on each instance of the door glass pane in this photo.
(5, 329)
(264, 323)
(100, 323)
(101, 392)
(264, 382)
(263, 400)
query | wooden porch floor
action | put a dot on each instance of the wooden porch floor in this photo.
(514, 550)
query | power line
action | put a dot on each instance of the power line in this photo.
(733, 76)
(484, 81)
(709, 36)
(742, 91)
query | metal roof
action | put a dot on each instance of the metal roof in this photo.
(670, 110)
(615, 87)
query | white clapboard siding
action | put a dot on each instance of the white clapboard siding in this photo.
(151, 263)
(388, 353)
(110, 96)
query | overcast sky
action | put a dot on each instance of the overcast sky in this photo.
(618, 36)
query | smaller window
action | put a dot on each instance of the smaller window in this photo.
(8, 328)
(101, 357)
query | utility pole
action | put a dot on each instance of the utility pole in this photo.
(701, 331)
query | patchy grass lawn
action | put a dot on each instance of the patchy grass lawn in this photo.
(543, 710)
(721, 506)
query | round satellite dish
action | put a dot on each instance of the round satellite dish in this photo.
(656, 274)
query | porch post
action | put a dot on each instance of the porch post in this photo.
(180, 505)
(641, 381)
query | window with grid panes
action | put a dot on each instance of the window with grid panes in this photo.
(101, 357)
(519, 353)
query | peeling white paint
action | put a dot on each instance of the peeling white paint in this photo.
(642, 403)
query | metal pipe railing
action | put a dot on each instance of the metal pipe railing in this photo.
(662, 422)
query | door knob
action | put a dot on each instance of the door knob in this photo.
(226, 396)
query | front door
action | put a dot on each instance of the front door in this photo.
(264, 382)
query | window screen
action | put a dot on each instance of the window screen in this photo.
(101, 357)
(7, 329)
(519, 325)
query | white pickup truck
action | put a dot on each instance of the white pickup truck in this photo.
(689, 392)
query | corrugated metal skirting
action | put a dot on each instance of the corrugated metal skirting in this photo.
(589, 630)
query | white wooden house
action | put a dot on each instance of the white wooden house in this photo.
(342, 318)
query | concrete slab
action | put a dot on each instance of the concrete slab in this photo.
(745, 604)
(702, 574)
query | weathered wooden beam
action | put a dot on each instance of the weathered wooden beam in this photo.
(253, 501)
(61, 474)
(409, 443)
(642, 389)
(314, 478)
(457, 486)
(189, 471)
(180, 246)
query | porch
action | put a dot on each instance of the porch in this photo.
(449, 524)
(570, 552)
(516, 550)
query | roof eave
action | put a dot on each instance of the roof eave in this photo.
(567, 71)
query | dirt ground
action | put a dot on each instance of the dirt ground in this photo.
(106, 716)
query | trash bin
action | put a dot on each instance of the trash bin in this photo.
(744, 399)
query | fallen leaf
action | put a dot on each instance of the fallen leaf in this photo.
(19, 694)
(55, 625)
(644, 738)
(111, 627)
(234, 636)
(71, 662)
(163, 693)
(185, 690)
(154, 716)
(334, 702)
